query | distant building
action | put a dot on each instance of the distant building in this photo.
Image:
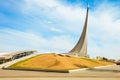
(14, 55)
(111, 60)
(105, 59)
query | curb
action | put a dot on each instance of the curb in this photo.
(70, 71)
(38, 70)
(57, 71)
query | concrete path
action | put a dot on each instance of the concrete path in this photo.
(101, 73)
(16, 60)
(60, 78)
(104, 72)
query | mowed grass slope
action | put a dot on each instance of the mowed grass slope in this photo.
(58, 62)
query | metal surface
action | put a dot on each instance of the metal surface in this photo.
(80, 48)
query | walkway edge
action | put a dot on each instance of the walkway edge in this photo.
(74, 70)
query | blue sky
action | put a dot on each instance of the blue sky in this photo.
(55, 25)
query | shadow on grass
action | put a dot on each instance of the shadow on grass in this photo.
(81, 66)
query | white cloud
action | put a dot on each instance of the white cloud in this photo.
(103, 28)
(49, 22)
(68, 17)
(55, 29)
(17, 40)
(104, 31)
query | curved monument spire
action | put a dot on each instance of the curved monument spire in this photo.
(80, 48)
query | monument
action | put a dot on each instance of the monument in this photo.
(80, 49)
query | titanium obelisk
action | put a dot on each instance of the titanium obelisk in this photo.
(80, 48)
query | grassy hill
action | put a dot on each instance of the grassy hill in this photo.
(58, 62)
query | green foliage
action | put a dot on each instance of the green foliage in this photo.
(104, 58)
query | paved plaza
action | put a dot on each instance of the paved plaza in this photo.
(105, 73)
